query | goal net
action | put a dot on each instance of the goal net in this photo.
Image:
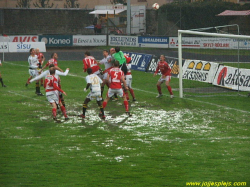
(213, 63)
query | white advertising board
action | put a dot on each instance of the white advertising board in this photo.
(209, 43)
(131, 41)
(26, 46)
(198, 70)
(230, 77)
(4, 47)
(89, 40)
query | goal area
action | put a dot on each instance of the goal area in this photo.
(213, 63)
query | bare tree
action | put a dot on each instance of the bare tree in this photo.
(23, 4)
(43, 4)
(71, 4)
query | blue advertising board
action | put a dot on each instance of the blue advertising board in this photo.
(139, 61)
(153, 41)
(56, 40)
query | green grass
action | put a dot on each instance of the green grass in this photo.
(167, 142)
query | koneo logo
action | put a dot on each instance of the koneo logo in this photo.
(59, 41)
(45, 40)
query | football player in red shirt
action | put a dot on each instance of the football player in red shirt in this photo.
(41, 59)
(90, 62)
(53, 60)
(116, 78)
(166, 76)
(52, 89)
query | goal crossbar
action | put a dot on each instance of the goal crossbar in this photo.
(180, 32)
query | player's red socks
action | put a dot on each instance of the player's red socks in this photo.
(170, 90)
(132, 92)
(126, 105)
(159, 89)
(126, 94)
(28, 81)
(64, 111)
(104, 104)
(41, 81)
(54, 112)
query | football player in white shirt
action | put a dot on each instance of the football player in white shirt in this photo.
(93, 82)
(108, 65)
(33, 69)
(1, 79)
(129, 81)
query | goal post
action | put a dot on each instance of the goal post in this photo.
(197, 34)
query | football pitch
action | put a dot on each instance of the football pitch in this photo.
(166, 142)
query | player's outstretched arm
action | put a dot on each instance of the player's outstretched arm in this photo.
(39, 77)
(63, 73)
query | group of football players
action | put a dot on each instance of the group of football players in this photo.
(116, 76)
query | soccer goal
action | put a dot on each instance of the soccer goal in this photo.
(214, 62)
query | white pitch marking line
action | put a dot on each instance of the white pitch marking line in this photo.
(221, 106)
(24, 96)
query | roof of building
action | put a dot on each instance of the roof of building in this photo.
(235, 13)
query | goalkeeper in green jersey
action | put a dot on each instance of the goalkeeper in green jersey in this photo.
(118, 55)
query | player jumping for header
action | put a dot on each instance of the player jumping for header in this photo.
(166, 76)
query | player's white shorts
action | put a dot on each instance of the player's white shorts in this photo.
(99, 74)
(166, 78)
(129, 81)
(52, 97)
(33, 72)
(94, 95)
(111, 92)
(105, 76)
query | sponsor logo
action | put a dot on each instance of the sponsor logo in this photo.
(59, 41)
(241, 78)
(23, 46)
(153, 64)
(25, 39)
(45, 40)
(135, 58)
(175, 68)
(222, 75)
(3, 47)
(89, 41)
(196, 71)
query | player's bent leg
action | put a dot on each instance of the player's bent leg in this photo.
(84, 107)
(169, 88)
(54, 106)
(1, 80)
(132, 93)
(101, 109)
(159, 89)
(63, 109)
(61, 99)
